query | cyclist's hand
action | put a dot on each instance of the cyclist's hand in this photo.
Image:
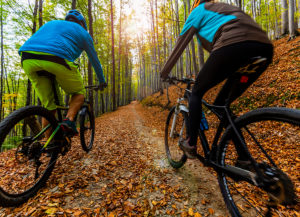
(170, 80)
(164, 78)
(102, 86)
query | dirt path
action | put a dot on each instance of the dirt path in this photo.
(200, 186)
(126, 174)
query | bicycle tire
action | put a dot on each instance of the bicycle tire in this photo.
(284, 134)
(174, 149)
(87, 129)
(8, 148)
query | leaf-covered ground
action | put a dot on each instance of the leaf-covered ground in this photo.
(126, 174)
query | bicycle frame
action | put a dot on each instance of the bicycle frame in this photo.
(226, 119)
(59, 109)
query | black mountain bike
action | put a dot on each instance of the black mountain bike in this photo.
(269, 136)
(27, 158)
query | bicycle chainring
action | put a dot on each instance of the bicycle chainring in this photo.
(34, 150)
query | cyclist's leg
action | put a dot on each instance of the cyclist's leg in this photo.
(75, 104)
(251, 49)
(219, 66)
(42, 86)
(71, 82)
(244, 52)
(210, 75)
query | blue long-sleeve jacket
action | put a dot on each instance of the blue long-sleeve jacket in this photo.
(64, 39)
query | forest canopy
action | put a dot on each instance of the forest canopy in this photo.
(144, 33)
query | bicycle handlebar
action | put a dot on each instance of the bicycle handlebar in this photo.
(100, 87)
(184, 80)
(93, 87)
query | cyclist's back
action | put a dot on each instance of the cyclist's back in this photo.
(54, 48)
(220, 24)
(63, 39)
(233, 39)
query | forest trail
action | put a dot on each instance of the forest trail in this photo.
(126, 173)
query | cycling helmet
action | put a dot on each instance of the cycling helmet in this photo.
(76, 16)
(197, 3)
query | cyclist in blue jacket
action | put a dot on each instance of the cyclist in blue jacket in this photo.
(232, 38)
(54, 48)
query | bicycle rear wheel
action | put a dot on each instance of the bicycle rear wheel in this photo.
(24, 165)
(272, 136)
(175, 155)
(87, 129)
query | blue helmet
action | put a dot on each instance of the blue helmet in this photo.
(76, 16)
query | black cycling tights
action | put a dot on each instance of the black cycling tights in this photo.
(220, 65)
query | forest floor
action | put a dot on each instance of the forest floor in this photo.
(127, 174)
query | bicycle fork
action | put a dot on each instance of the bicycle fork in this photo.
(178, 108)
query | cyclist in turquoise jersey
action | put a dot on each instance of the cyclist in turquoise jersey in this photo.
(54, 48)
(232, 38)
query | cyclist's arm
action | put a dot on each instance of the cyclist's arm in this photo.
(191, 27)
(181, 44)
(91, 52)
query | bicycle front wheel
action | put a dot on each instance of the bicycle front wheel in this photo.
(175, 131)
(24, 165)
(87, 129)
(272, 136)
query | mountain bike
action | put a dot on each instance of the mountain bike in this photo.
(27, 155)
(270, 137)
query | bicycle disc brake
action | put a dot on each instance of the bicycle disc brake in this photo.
(279, 186)
(21, 153)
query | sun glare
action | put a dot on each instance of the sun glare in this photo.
(138, 12)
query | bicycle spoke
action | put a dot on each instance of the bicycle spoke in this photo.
(243, 198)
(24, 165)
(273, 144)
(260, 147)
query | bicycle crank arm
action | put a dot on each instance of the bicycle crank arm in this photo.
(236, 173)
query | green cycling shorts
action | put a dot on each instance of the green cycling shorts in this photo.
(70, 80)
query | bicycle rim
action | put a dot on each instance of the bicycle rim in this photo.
(175, 155)
(24, 167)
(87, 130)
(274, 143)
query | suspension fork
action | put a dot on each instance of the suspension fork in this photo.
(176, 112)
(178, 108)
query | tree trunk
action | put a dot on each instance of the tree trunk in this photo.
(298, 13)
(253, 4)
(113, 55)
(119, 60)
(285, 16)
(292, 29)
(239, 3)
(28, 97)
(40, 25)
(187, 50)
(2, 62)
(41, 13)
(73, 4)
(277, 33)
(90, 72)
